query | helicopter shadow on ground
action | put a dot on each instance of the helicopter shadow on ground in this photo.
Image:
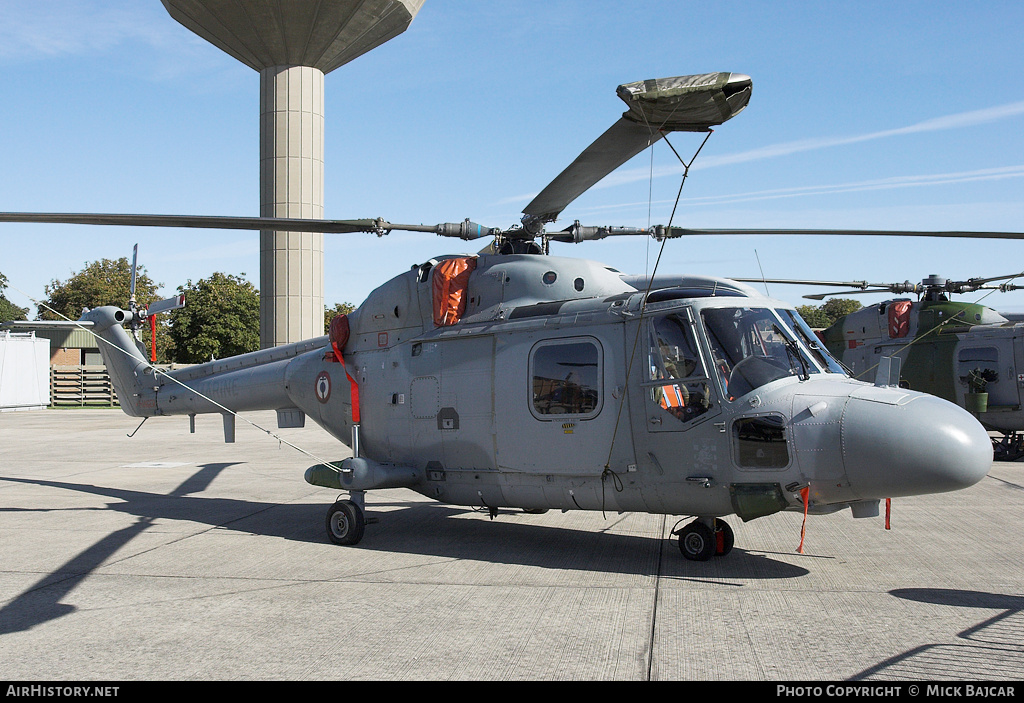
(426, 528)
(516, 538)
(429, 529)
(41, 602)
(990, 649)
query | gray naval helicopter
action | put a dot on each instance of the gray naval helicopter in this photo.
(516, 379)
(965, 352)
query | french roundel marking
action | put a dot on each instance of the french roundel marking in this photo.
(322, 387)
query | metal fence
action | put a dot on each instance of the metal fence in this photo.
(81, 386)
(85, 386)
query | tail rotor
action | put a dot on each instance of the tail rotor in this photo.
(149, 313)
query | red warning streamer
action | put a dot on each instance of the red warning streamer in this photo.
(339, 331)
(353, 386)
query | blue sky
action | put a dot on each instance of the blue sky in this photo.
(874, 115)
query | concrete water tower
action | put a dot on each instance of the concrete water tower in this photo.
(293, 44)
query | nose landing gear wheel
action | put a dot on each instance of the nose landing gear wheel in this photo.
(345, 523)
(698, 542)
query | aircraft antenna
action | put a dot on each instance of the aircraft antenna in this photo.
(650, 199)
(761, 269)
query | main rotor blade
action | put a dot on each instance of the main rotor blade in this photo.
(577, 233)
(862, 285)
(683, 103)
(916, 288)
(284, 224)
(621, 142)
(858, 291)
(980, 281)
(931, 283)
(462, 230)
(660, 231)
(973, 283)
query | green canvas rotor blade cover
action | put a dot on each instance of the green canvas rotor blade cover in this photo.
(686, 103)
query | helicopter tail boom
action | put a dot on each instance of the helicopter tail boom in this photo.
(253, 381)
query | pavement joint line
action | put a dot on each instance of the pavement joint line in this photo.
(566, 615)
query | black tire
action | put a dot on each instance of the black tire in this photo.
(724, 538)
(1007, 449)
(345, 523)
(697, 542)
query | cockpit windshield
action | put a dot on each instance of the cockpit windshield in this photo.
(811, 341)
(753, 347)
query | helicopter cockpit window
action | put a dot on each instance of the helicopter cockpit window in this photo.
(566, 378)
(752, 348)
(806, 335)
(677, 380)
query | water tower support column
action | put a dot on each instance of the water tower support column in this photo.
(291, 185)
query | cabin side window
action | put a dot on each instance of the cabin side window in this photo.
(760, 442)
(565, 379)
(976, 363)
(677, 381)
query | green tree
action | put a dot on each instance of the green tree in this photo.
(331, 313)
(106, 282)
(8, 310)
(103, 282)
(827, 314)
(221, 318)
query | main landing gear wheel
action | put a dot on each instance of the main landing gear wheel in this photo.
(698, 542)
(345, 523)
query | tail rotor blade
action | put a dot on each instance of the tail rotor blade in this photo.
(132, 304)
(135, 259)
(166, 305)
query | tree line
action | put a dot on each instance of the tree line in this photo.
(221, 316)
(822, 316)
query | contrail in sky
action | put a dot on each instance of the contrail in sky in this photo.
(963, 119)
(987, 174)
(970, 118)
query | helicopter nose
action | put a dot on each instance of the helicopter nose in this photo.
(899, 444)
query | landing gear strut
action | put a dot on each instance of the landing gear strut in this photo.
(703, 539)
(1009, 447)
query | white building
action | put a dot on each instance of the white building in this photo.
(24, 371)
